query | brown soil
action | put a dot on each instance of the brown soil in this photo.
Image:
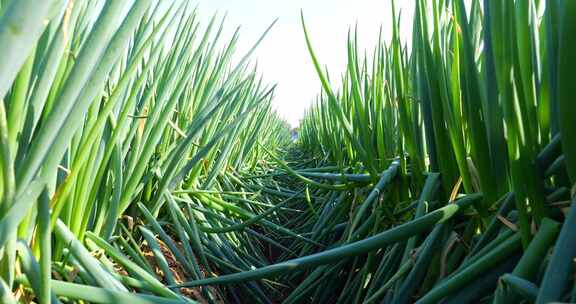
(178, 272)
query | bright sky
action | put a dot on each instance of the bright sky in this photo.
(283, 58)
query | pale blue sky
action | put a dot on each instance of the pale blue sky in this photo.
(283, 58)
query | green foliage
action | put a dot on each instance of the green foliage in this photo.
(140, 160)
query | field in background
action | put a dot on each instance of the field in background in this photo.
(139, 164)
